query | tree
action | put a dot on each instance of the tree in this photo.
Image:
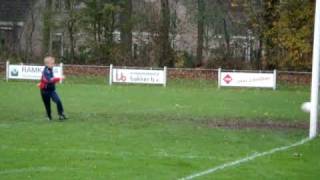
(201, 19)
(71, 24)
(165, 52)
(263, 15)
(99, 19)
(47, 28)
(214, 30)
(255, 24)
(146, 21)
(30, 29)
(126, 29)
(293, 34)
(270, 16)
(284, 29)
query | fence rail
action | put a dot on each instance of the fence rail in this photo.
(288, 77)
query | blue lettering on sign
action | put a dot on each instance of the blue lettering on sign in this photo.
(32, 69)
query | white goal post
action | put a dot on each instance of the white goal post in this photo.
(315, 74)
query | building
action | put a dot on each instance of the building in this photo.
(24, 29)
(12, 22)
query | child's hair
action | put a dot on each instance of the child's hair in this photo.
(48, 59)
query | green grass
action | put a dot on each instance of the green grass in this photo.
(151, 132)
(297, 163)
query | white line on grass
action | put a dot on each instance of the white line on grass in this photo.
(32, 169)
(118, 153)
(244, 160)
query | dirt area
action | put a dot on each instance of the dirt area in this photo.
(240, 124)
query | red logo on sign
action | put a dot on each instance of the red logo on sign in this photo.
(122, 77)
(227, 79)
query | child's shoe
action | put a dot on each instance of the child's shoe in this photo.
(62, 117)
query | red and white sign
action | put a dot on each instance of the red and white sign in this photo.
(241, 79)
(227, 79)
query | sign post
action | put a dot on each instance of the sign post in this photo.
(165, 76)
(7, 70)
(61, 73)
(110, 74)
(275, 79)
(219, 77)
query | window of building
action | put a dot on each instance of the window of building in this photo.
(58, 5)
(238, 3)
(2, 41)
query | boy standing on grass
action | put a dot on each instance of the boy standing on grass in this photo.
(48, 90)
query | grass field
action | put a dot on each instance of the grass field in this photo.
(151, 132)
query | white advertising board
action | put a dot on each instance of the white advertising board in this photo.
(30, 72)
(241, 79)
(137, 76)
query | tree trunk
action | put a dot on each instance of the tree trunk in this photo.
(259, 55)
(269, 17)
(70, 5)
(47, 39)
(227, 38)
(165, 58)
(30, 32)
(126, 30)
(201, 9)
(72, 44)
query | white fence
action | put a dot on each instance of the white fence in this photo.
(284, 77)
(247, 79)
(138, 76)
(29, 72)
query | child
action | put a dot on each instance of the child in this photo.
(47, 88)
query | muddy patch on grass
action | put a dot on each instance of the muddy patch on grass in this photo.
(240, 124)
